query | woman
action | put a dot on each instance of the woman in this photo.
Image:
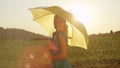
(59, 39)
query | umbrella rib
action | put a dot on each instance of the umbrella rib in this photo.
(41, 16)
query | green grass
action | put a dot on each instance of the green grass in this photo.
(102, 52)
(11, 50)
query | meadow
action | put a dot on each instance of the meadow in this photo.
(12, 50)
(103, 50)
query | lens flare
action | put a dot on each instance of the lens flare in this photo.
(33, 57)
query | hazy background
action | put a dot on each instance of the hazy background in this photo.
(98, 16)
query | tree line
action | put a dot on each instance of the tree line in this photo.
(19, 34)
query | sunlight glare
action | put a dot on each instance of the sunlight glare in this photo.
(81, 14)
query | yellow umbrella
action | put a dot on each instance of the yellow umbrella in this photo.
(77, 34)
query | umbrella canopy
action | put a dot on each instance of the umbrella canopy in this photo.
(77, 34)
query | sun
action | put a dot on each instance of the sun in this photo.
(81, 14)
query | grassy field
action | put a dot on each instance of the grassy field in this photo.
(12, 50)
(102, 52)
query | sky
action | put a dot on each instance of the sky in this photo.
(98, 16)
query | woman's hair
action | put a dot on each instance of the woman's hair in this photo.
(65, 25)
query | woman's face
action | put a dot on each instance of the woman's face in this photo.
(59, 23)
